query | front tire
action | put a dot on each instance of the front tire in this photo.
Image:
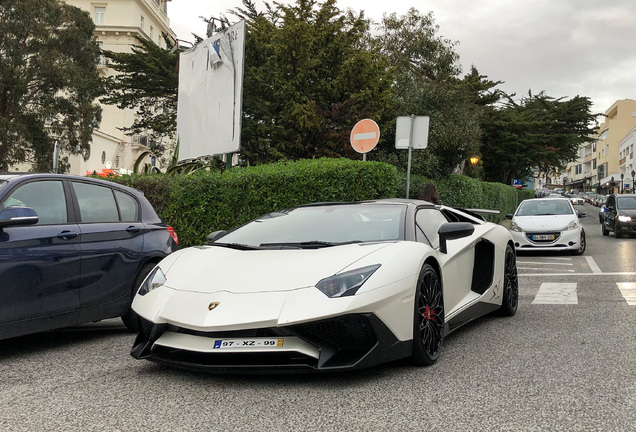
(428, 321)
(604, 230)
(510, 299)
(130, 319)
(617, 231)
(582, 245)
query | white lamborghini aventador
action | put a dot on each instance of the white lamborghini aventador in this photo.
(327, 286)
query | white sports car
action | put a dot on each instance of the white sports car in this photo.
(327, 286)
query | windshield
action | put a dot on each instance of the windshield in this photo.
(324, 225)
(547, 207)
(626, 202)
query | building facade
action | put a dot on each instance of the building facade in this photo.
(608, 155)
(117, 24)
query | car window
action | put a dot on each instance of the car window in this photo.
(127, 207)
(46, 197)
(549, 207)
(626, 202)
(96, 203)
(428, 221)
(329, 223)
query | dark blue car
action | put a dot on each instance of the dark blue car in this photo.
(73, 250)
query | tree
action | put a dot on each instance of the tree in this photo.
(426, 83)
(147, 81)
(536, 131)
(308, 79)
(48, 82)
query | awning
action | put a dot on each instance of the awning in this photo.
(595, 185)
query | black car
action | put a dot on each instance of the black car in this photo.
(619, 215)
(73, 250)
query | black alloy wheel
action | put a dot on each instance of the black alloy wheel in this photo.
(428, 322)
(510, 299)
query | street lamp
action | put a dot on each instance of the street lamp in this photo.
(622, 176)
(474, 160)
(612, 182)
(633, 175)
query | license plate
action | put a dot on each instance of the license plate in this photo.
(248, 343)
(543, 237)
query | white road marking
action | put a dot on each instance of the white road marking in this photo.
(536, 268)
(556, 293)
(578, 274)
(595, 268)
(628, 290)
(539, 262)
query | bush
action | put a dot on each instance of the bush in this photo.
(202, 202)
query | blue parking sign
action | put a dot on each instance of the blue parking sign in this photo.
(518, 183)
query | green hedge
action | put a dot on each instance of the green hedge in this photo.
(202, 202)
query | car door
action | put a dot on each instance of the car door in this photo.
(39, 264)
(458, 264)
(111, 249)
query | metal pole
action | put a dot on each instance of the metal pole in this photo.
(408, 169)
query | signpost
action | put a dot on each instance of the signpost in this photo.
(518, 183)
(364, 137)
(411, 133)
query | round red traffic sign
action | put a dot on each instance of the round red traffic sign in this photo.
(364, 136)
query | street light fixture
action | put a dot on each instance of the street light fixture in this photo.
(622, 176)
(612, 183)
(633, 175)
(474, 160)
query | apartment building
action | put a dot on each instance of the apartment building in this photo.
(608, 155)
(117, 23)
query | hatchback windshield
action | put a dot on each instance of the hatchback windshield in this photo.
(325, 224)
(547, 207)
(626, 202)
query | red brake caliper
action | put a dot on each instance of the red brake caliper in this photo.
(428, 313)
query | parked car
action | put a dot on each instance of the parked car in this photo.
(619, 215)
(73, 250)
(577, 200)
(326, 287)
(550, 224)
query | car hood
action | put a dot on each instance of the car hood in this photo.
(543, 223)
(630, 212)
(210, 269)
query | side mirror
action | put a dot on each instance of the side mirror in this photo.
(453, 231)
(12, 216)
(509, 216)
(580, 214)
(215, 235)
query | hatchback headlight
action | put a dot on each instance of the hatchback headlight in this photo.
(622, 218)
(515, 227)
(347, 283)
(155, 279)
(571, 226)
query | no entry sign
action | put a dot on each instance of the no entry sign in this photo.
(364, 136)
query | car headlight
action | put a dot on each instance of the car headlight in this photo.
(622, 218)
(571, 226)
(347, 283)
(515, 227)
(155, 279)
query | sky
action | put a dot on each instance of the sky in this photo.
(565, 48)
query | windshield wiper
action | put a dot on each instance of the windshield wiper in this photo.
(237, 246)
(314, 244)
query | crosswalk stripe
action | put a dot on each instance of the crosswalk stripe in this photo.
(628, 290)
(556, 293)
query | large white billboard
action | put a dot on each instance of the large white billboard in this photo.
(211, 95)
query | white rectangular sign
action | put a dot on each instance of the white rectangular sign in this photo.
(211, 95)
(420, 132)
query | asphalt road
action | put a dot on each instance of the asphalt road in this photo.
(569, 367)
